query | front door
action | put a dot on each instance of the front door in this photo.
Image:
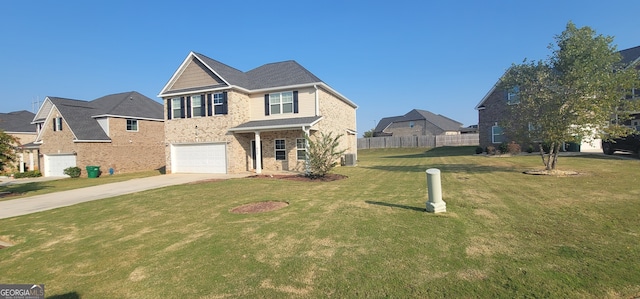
(253, 154)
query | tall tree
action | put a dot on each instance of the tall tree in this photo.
(571, 96)
(7, 149)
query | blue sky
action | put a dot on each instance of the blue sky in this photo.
(387, 56)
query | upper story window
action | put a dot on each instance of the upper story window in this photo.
(281, 150)
(176, 108)
(132, 125)
(281, 102)
(197, 105)
(219, 104)
(411, 124)
(57, 124)
(513, 96)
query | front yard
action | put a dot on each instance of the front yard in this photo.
(505, 234)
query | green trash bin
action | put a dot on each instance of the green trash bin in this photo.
(93, 171)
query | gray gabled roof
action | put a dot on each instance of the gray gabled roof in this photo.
(285, 73)
(277, 124)
(438, 120)
(631, 55)
(17, 122)
(80, 115)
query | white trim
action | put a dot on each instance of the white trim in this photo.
(198, 91)
(352, 132)
(127, 117)
(275, 127)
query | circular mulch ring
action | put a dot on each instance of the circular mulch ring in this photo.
(552, 172)
(301, 178)
(259, 207)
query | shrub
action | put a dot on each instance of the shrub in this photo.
(491, 150)
(503, 148)
(513, 148)
(73, 172)
(530, 149)
(479, 150)
(323, 154)
(27, 174)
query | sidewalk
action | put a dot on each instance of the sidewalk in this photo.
(38, 203)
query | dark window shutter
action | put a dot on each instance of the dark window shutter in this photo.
(225, 105)
(266, 104)
(181, 107)
(60, 123)
(169, 108)
(209, 105)
(188, 107)
(295, 101)
(202, 101)
(55, 124)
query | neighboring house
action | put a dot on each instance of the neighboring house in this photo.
(493, 107)
(418, 123)
(18, 124)
(123, 132)
(217, 116)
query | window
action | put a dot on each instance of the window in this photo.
(132, 125)
(280, 103)
(197, 107)
(411, 124)
(513, 96)
(281, 153)
(176, 108)
(218, 103)
(57, 124)
(496, 135)
(301, 148)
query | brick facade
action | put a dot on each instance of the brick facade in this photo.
(127, 152)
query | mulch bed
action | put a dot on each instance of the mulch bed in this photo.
(301, 178)
(259, 207)
(552, 172)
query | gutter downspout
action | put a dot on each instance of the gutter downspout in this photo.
(307, 162)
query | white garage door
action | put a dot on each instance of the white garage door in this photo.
(199, 158)
(54, 165)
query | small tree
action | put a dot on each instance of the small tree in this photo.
(322, 154)
(368, 134)
(574, 94)
(7, 149)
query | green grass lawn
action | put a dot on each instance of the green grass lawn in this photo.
(37, 188)
(504, 235)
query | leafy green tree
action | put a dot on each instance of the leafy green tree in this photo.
(323, 154)
(368, 134)
(572, 95)
(7, 149)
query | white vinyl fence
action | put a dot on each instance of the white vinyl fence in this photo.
(418, 141)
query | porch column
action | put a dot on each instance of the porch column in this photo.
(31, 160)
(258, 153)
(21, 155)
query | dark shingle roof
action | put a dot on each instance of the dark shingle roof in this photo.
(79, 115)
(285, 73)
(232, 75)
(630, 55)
(278, 123)
(440, 121)
(18, 121)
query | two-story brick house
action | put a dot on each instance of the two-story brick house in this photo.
(18, 124)
(222, 120)
(493, 107)
(123, 132)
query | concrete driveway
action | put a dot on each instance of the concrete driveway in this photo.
(38, 203)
